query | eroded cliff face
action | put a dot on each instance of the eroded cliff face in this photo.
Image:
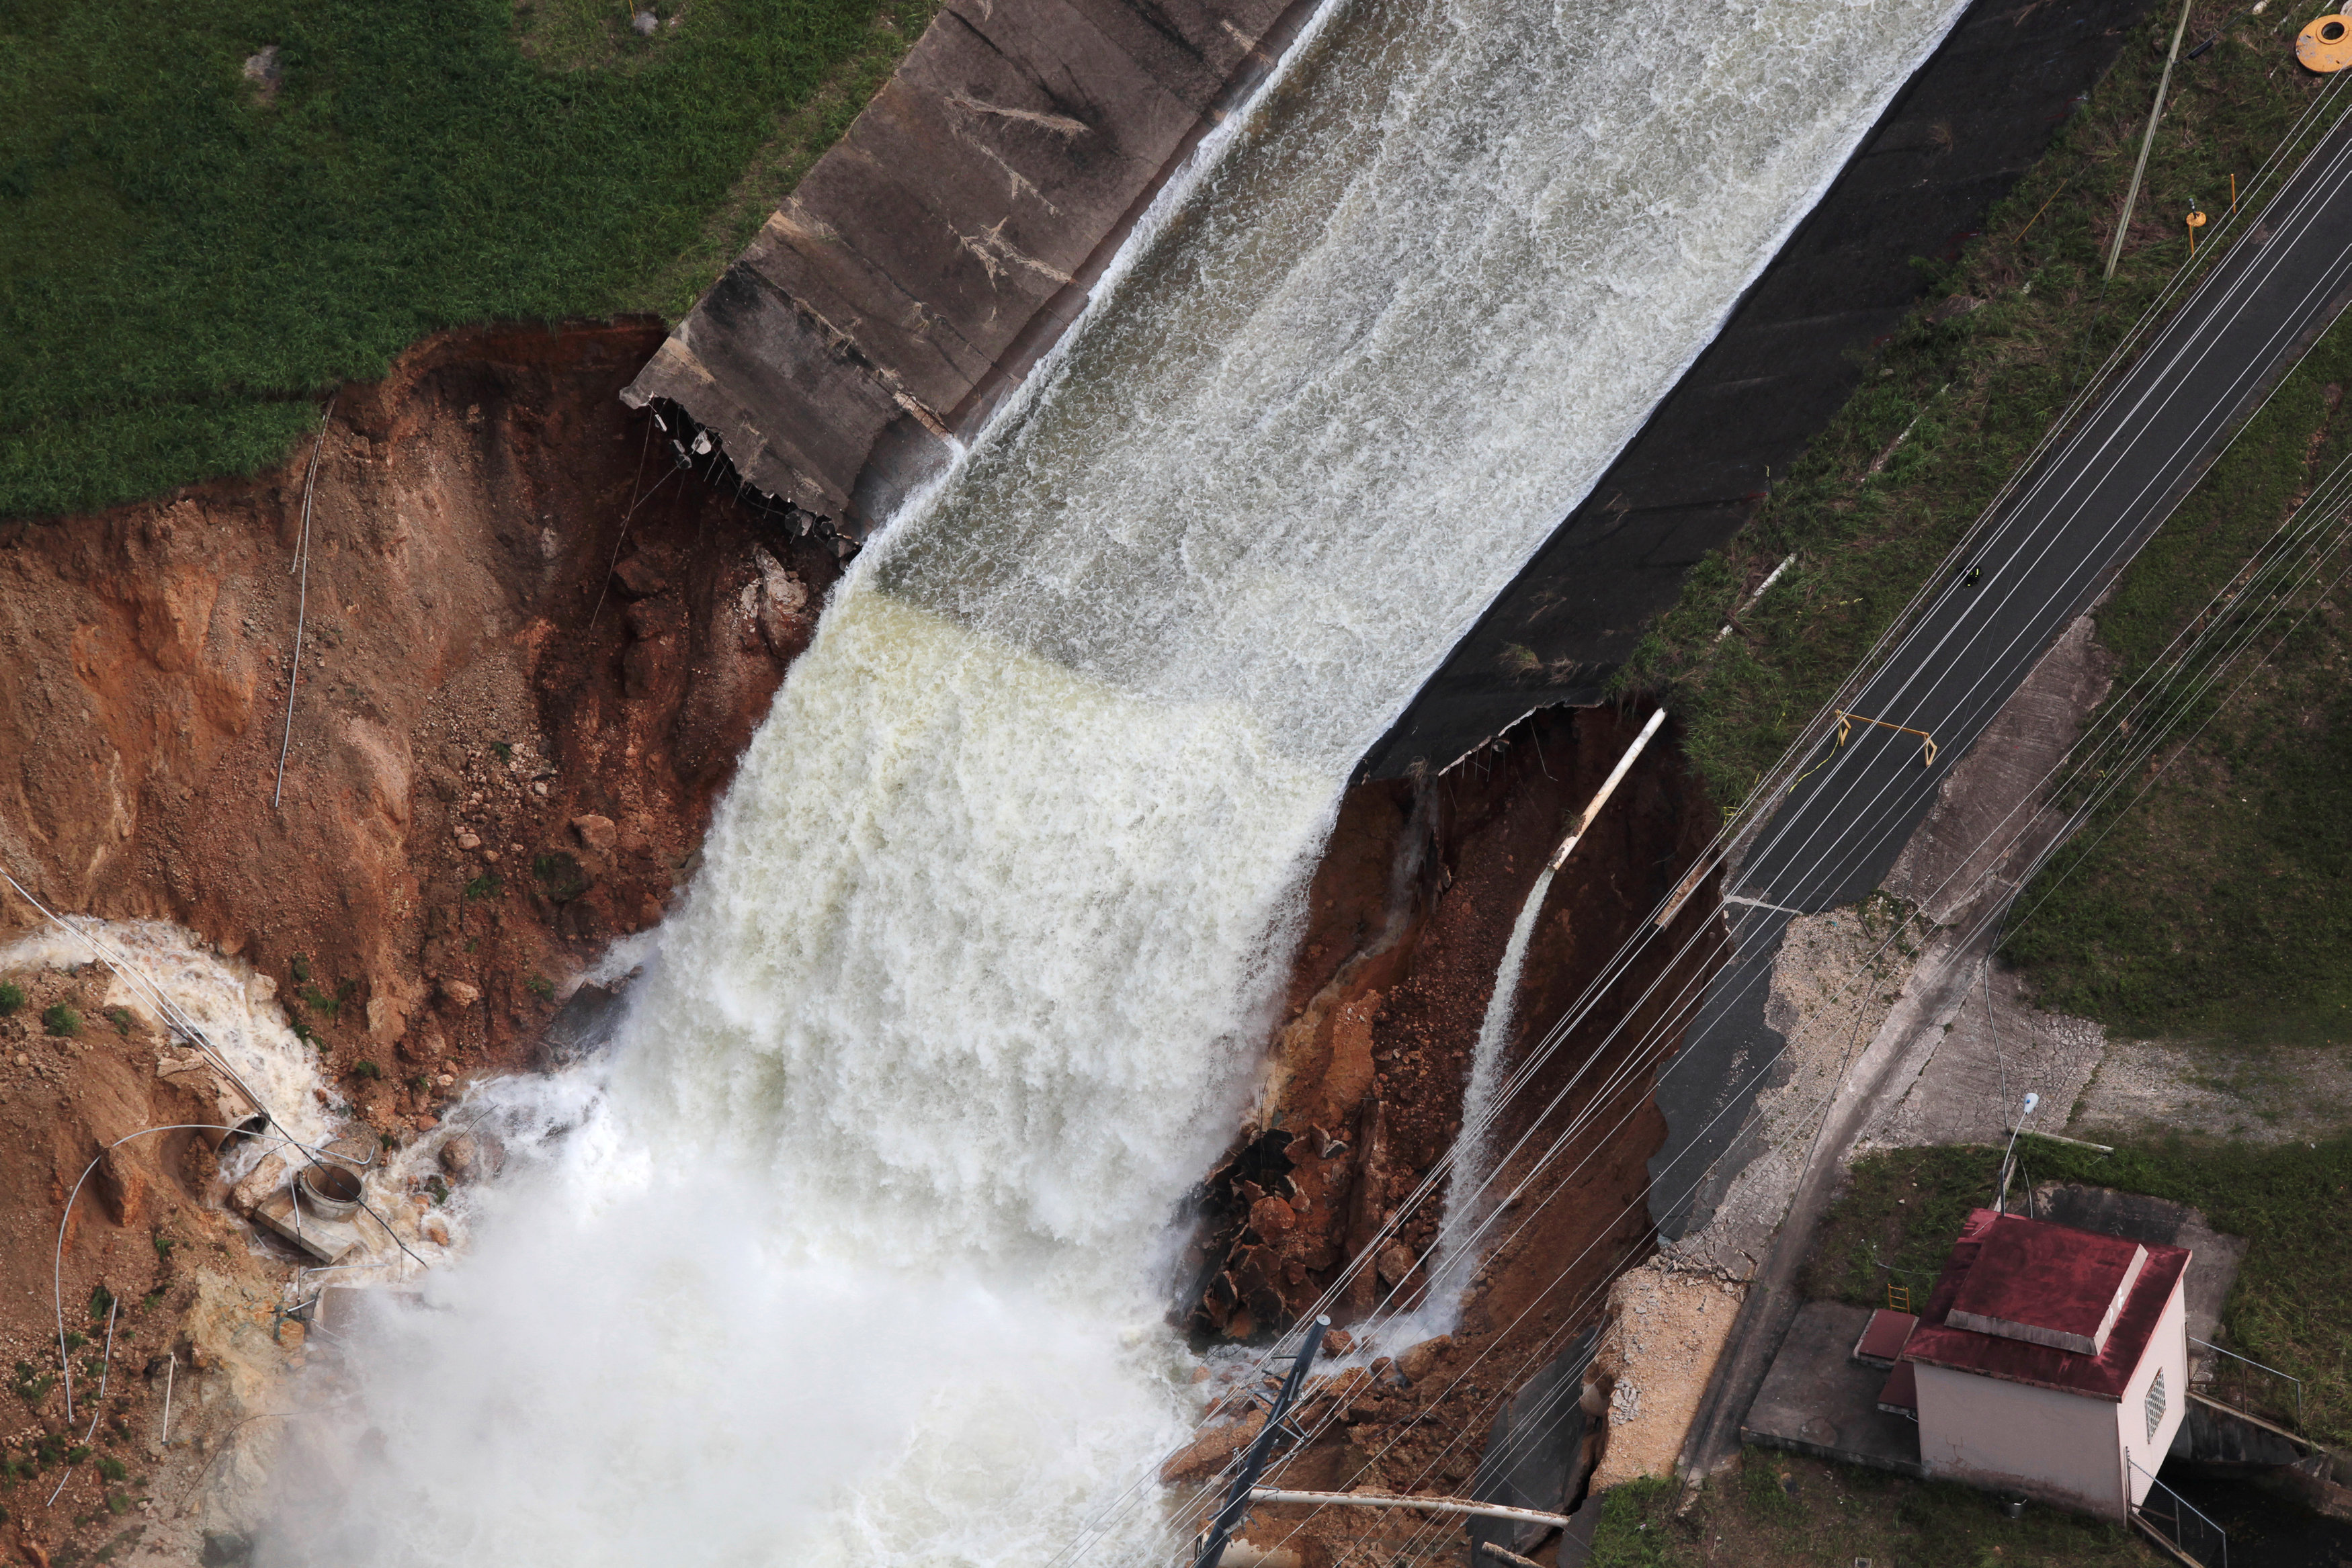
(1412, 907)
(513, 717)
(502, 750)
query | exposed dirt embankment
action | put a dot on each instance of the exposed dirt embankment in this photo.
(504, 751)
(499, 755)
(1412, 910)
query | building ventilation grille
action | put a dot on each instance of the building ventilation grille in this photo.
(2156, 1405)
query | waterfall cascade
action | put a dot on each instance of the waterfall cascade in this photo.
(855, 1249)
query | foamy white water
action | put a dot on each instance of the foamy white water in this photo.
(856, 1250)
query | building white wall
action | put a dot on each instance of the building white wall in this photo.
(2068, 1449)
(2167, 1351)
(2054, 1447)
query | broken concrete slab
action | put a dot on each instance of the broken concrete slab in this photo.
(328, 1240)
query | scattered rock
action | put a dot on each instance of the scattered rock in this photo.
(582, 1024)
(434, 1230)
(645, 22)
(264, 71)
(460, 993)
(469, 841)
(596, 833)
(121, 1189)
(1270, 1217)
(1207, 1454)
(470, 1156)
(1338, 1341)
(1422, 1360)
(636, 577)
(424, 1045)
(1396, 1262)
(257, 1184)
(224, 1549)
(778, 604)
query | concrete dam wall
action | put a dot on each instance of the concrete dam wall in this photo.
(932, 255)
(928, 259)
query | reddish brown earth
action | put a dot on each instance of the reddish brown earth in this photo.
(513, 719)
(1412, 910)
(503, 754)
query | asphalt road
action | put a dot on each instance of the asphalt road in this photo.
(2064, 538)
(2054, 548)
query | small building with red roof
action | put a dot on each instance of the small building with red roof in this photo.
(2048, 1361)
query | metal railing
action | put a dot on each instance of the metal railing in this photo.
(2241, 1383)
(2171, 1517)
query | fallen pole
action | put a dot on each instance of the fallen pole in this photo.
(1427, 1504)
(1513, 1558)
(1607, 787)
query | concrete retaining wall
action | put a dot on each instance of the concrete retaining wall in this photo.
(928, 258)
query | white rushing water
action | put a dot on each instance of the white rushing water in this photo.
(856, 1249)
(1465, 1207)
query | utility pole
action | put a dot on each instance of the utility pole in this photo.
(2123, 225)
(1210, 1550)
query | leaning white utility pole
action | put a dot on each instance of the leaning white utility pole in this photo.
(2131, 196)
(1425, 1504)
(1608, 787)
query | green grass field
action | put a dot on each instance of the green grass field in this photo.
(2221, 902)
(189, 256)
(1780, 1510)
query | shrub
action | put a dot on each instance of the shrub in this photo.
(120, 1019)
(62, 1021)
(366, 1069)
(542, 988)
(12, 997)
(485, 886)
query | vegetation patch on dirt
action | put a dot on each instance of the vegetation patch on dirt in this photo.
(211, 213)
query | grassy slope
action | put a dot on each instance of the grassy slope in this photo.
(2212, 895)
(1780, 1510)
(185, 263)
(2222, 901)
